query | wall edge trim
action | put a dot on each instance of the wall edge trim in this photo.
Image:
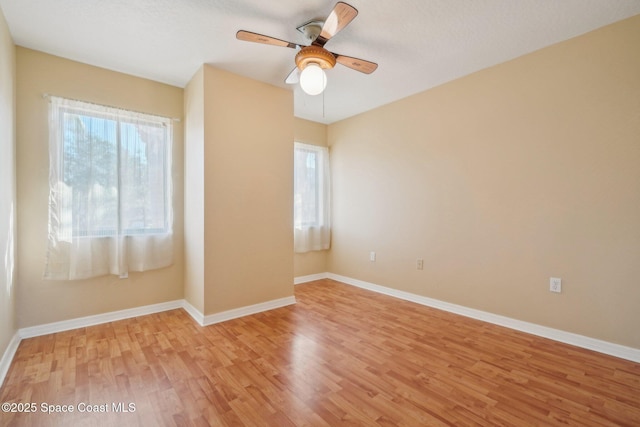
(193, 312)
(600, 346)
(235, 313)
(7, 357)
(83, 322)
(310, 278)
(97, 319)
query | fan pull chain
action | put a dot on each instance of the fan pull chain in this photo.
(323, 92)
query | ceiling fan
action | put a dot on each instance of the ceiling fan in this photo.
(312, 60)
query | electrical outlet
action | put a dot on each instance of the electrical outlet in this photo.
(372, 256)
(555, 284)
(420, 264)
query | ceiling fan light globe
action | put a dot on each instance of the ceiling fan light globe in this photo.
(313, 79)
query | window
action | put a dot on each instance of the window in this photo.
(110, 202)
(311, 198)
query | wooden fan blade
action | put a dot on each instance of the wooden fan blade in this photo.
(293, 77)
(361, 65)
(339, 18)
(248, 36)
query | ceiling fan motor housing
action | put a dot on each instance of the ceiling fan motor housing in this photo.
(311, 29)
(315, 54)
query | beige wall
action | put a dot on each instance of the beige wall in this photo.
(500, 180)
(43, 301)
(194, 261)
(248, 190)
(313, 262)
(7, 187)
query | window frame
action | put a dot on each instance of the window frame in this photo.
(119, 116)
(320, 204)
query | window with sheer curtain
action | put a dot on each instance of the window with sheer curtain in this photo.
(110, 195)
(312, 228)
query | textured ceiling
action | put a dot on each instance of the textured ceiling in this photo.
(418, 44)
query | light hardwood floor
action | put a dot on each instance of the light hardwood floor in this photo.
(340, 356)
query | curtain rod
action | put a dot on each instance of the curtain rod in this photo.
(48, 95)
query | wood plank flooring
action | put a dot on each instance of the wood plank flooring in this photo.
(340, 356)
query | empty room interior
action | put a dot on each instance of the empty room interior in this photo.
(211, 215)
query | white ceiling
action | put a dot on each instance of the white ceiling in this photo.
(418, 44)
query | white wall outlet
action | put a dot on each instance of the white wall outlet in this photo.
(372, 256)
(555, 284)
(420, 264)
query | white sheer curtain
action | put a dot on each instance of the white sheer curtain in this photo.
(110, 195)
(312, 186)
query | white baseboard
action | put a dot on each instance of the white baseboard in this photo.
(600, 346)
(245, 311)
(193, 312)
(310, 278)
(83, 322)
(623, 352)
(7, 357)
(210, 319)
